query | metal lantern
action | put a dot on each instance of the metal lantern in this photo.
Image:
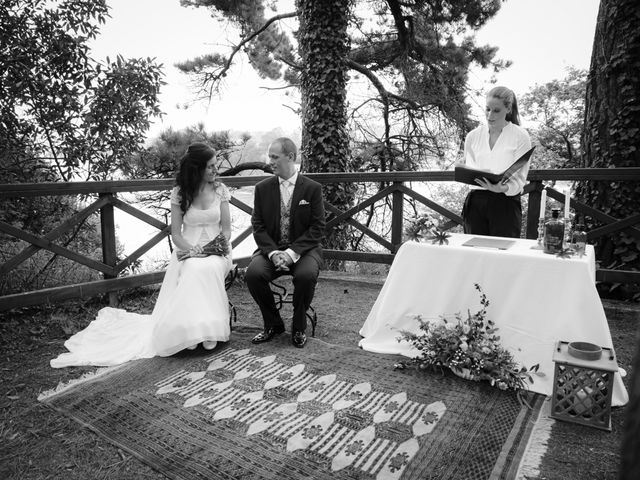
(583, 384)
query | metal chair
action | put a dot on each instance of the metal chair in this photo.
(228, 281)
(282, 296)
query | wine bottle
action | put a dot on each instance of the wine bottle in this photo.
(553, 233)
(579, 239)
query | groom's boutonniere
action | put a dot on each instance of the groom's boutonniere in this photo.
(303, 202)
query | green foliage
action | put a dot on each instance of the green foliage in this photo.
(39, 216)
(323, 44)
(612, 124)
(470, 344)
(82, 116)
(161, 159)
(63, 116)
(266, 53)
(558, 109)
(416, 56)
(419, 227)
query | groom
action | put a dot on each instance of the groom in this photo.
(288, 224)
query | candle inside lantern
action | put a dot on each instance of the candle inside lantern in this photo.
(567, 200)
(543, 202)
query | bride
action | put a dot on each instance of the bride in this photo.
(192, 306)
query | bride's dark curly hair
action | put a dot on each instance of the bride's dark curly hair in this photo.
(192, 166)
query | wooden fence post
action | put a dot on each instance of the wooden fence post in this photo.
(109, 254)
(533, 210)
(396, 218)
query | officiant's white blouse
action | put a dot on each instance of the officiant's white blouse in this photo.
(512, 143)
(198, 225)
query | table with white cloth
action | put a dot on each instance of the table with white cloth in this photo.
(535, 299)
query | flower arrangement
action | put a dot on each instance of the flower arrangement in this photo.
(217, 246)
(470, 347)
(424, 226)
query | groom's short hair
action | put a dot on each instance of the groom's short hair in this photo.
(287, 146)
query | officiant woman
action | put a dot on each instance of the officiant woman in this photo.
(493, 208)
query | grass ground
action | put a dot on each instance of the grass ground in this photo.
(38, 443)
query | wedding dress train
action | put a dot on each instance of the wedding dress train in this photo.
(192, 306)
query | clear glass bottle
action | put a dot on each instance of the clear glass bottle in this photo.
(579, 239)
(553, 233)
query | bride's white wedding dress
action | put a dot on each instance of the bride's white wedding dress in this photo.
(192, 305)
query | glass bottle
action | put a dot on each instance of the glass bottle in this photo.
(579, 239)
(553, 233)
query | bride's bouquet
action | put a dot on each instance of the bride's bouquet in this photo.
(217, 246)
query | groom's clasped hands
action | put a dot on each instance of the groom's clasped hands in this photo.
(281, 260)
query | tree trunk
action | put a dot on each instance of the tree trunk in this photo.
(630, 464)
(323, 47)
(612, 124)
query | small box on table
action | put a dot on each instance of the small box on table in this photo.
(583, 384)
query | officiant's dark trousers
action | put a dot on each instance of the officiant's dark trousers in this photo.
(305, 276)
(490, 213)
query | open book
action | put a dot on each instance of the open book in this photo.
(468, 175)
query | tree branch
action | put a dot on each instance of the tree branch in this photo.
(247, 39)
(399, 19)
(384, 93)
(265, 167)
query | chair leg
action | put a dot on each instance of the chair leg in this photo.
(228, 281)
(313, 318)
(233, 315)
(282, 296)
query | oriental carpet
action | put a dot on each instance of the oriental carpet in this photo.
(271, 411)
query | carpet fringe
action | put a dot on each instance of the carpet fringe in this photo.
(537, 444)
(63, 386)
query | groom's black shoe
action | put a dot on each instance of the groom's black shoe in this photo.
(299, 339)
(267, 334)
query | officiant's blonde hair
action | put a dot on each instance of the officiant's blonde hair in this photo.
(508, 98)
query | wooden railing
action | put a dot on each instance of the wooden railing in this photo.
(392, 189)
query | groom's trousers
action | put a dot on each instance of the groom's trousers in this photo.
(305, 276)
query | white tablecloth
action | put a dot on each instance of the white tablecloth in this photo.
(536, 299)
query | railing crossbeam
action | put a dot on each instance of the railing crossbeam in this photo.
(361, 206)
(395, 187)
(367, 231)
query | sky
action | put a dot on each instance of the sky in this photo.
(542, 38)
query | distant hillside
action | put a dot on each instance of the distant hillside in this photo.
(255, 149)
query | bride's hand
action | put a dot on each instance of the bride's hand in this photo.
(196, 249)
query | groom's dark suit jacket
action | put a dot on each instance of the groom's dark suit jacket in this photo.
(307, 224)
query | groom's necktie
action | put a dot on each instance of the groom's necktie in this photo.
(285, 211)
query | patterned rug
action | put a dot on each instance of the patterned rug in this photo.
(272, 411)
